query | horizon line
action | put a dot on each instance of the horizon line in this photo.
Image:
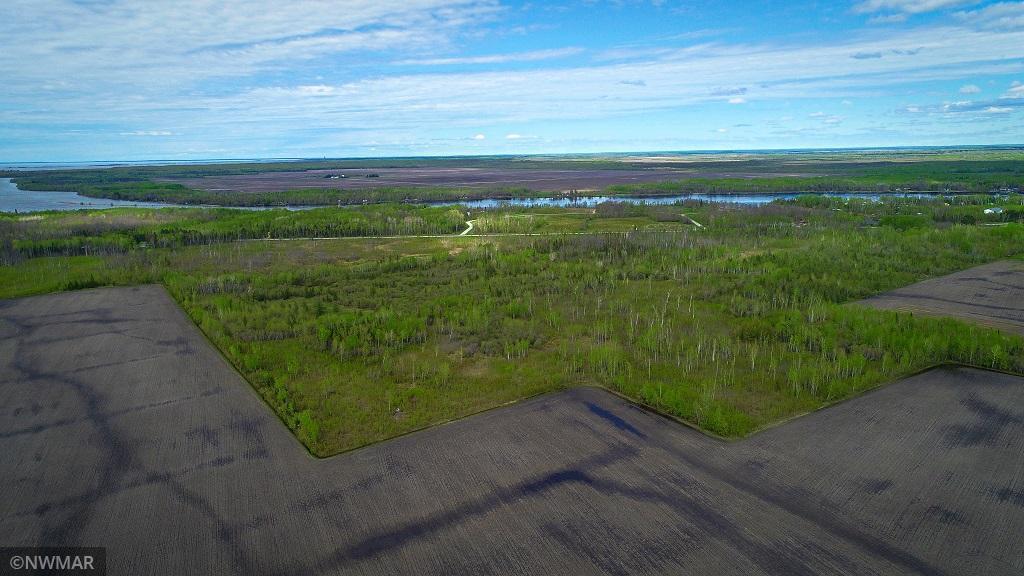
(11, 164)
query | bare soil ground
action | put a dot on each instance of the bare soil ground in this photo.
(121, 427)
(991, 295)
(476, 178)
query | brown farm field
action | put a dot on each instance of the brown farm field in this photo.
(991, 295)
(544, 180)
(120, 422)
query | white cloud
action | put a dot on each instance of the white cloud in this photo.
(721, 130)
(318, 90)
(971, 107)
(273, 69)
(1016, 90)
(685, 77)
(888, 19)
(847, 103)
(151, 46)
(1003, 15)
(907, 6)
(913, 109)
(616, 54)
(737, 100)
(738, 91)
(479, 137)
(513, 136)
(147, 133)
(495, 58)
(584, 91)
(969, 89)
(830, 119)
(961, 104)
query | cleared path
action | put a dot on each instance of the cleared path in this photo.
(121, 427)
(692, 221)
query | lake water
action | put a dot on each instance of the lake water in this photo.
(591, 201)
(13, 199)
(749, 199)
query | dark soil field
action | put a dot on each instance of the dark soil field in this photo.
(545, 180)
(122, 427)
(991, 295)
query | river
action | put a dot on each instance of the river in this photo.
(14, 199)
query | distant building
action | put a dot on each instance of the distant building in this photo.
(996, 210)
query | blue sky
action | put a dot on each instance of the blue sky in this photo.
(135, 79)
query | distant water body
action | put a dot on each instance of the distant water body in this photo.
(591, 201)
(14, 199)
(34, 166)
